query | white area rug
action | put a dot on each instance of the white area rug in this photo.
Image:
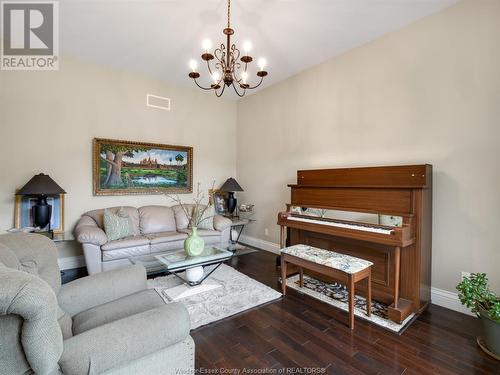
(238, 293)
(336, 295)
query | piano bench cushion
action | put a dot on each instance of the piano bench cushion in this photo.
(338, 261)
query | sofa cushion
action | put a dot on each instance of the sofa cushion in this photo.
(207, 218)
(202, 232)
(181, 219)
(155, 238)
(132, 212)
(118, 309)
(117, 225)
(126, 243)
(154, 219)
(124, 254)
(165, 241)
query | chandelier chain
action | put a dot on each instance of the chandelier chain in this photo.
(228, 12)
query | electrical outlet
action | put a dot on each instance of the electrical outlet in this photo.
(266, 232)
(464, 274)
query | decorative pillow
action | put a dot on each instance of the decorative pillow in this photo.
(117, 225)
(207, 220)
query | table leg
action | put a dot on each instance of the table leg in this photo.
(351, 301)
(283, 274)
(301, 275)
(369, 294)
(239, 233)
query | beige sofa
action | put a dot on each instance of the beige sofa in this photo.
(157, 229)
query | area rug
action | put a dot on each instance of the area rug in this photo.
(238, 293)
(336, 295)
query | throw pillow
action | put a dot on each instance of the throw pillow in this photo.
(117, 225)
(207, 219)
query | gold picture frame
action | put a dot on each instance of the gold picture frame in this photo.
(131, 168)
(22, 212)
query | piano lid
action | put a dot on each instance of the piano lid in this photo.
(392, 177)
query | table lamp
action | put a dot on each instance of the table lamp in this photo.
(230, 186)
(41, 186)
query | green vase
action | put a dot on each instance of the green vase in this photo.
(194, 245)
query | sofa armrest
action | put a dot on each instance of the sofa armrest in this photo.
(87, 231)
(39, 340)
(125, 340)
(221, 223)
(90, 291)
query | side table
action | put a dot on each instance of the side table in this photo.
(238, 224)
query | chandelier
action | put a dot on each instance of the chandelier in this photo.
(229, 69)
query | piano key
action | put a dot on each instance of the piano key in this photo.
(343, 225)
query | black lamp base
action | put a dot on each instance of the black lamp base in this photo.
(42, 212)
(231, 202)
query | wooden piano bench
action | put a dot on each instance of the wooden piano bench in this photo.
(345, 268)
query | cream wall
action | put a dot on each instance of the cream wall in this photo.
(428, 93)
(48, 121)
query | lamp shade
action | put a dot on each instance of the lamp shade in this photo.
(231, 185)
(41, 184)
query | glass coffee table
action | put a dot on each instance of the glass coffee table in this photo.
(191, 270)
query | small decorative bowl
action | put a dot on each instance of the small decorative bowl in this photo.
(246, 207)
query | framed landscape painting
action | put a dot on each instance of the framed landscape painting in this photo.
(123, 168)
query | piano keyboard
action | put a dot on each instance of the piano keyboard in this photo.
(343, 225)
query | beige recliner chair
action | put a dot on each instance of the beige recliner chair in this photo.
(108, 323)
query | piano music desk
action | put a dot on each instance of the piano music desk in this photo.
(347, 269)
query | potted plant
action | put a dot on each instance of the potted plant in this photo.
(476, 295)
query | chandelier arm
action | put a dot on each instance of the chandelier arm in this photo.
(236, 91)
(235, 76)
(201, 87)
(257, 85)
(209, 68)
(235, 54)
(222, 91)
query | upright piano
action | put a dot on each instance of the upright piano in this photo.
(385, 217)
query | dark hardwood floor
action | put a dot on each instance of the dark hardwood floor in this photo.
(299, 332)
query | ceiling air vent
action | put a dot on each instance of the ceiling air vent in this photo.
(159, 102)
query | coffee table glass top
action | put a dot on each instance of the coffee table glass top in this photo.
(176, 260)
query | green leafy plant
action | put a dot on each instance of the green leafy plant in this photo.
(475, 293)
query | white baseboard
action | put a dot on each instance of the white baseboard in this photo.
(449, 300)
(71, 262)
(439, 297)
(260, 244)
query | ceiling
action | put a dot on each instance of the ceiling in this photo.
(159, 37)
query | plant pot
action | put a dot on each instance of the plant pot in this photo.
(491, 332)
(194, 245)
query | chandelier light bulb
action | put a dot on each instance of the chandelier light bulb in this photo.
(247, 47)
(215, 77)
(244, 77)
(193, 65)
(262, 63)
(206, 45)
